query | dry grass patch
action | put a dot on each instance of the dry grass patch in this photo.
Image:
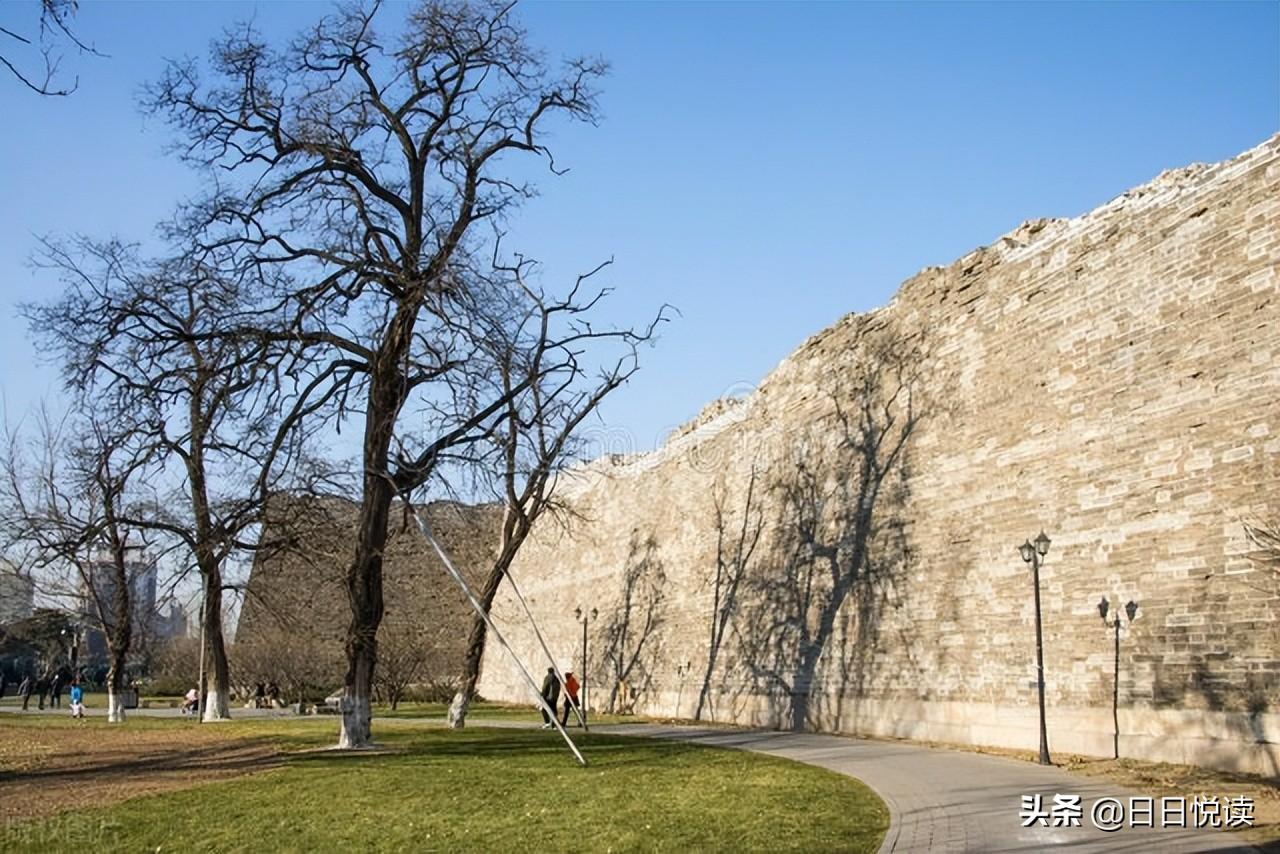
(57, 765)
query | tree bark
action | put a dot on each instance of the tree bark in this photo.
(475, 652)
(217, 701)
(115, 688)
(364, 590)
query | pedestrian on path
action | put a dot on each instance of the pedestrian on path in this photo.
(77, 700)
(55, 690)
(551, 694)
(570, 696)
(24, 690)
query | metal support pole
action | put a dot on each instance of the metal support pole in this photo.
(497, 634)
(515, 588)
(1044, 732)
(584, 670)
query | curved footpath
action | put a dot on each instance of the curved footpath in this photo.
(952, 801)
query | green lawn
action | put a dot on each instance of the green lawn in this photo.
(484, 790)
(485, 710)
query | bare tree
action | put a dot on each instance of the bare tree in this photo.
(63, 509)
(206, 402)
(549, 393)
(53, 33)
(353, 174)
(404, 656)
(733, 556)
(304, 667)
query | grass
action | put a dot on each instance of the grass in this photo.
(488, 711)
(478, 789)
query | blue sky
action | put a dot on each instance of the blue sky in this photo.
(766, 168)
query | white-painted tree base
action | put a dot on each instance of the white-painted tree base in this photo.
(115, 707)
(458, 711)
(217, 706)
(357, 714)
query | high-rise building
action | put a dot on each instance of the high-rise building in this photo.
(16, 594)
(98, 598)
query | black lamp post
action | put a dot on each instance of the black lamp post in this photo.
(583, 616)
(1131, 609)
(1034, 555)
(72, 633)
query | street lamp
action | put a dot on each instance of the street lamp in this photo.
(1034, 555)
(73, 631)
(1131, 609)
(583, 617)
(682, 670)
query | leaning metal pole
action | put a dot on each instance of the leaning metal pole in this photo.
(1044, 733)
(515, 588)
(479, 609)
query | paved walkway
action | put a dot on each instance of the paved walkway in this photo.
(952, 801)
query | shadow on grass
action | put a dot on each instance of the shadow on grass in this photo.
(489, 744)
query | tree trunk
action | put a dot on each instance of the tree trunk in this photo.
(357, 708)
(364, 579)
(364, 589)
(115, 689)
(217, 702)
(460, 706)
(475, 650)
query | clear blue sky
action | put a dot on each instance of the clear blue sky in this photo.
(766, 168)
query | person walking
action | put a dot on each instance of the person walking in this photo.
(570, 696)
(77, 700)
(550, 693)
(24, 690)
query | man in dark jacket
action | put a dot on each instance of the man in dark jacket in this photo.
(550, 693)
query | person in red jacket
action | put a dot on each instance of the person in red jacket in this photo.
(570, 696)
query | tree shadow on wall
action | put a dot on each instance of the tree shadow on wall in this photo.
(629, 636)
(736, 542)
(840, 538)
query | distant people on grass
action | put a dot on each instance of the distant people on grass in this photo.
(550, 693)
(24, 690)
(191, 702)
(570, 696)
(77, 700)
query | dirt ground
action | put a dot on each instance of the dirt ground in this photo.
(45, 771)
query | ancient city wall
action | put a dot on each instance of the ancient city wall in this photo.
(838, 549)
(296, 610)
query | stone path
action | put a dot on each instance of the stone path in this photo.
(951, 801)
